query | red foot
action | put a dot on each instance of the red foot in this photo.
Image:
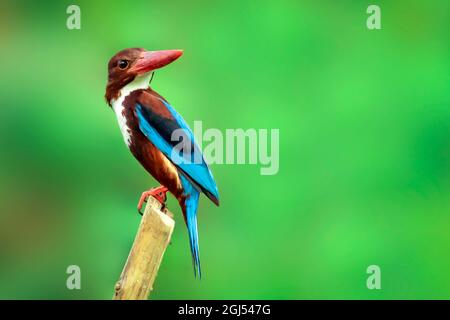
(158, 193)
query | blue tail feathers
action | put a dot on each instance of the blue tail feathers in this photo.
(191, 205)
(191, 221)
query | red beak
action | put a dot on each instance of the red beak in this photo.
(152, 60)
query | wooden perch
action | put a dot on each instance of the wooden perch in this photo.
(152, 239)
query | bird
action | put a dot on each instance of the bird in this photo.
(148, 124)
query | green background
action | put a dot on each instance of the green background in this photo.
(364, 119)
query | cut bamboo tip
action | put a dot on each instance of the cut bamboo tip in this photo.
(145, 257)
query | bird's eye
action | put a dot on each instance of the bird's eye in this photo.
(123, 64)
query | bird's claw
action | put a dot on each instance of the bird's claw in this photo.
(158, 193)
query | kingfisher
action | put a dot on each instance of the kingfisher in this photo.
(152, 130)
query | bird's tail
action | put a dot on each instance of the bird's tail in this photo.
(191, 205)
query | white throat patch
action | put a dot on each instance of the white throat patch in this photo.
(140, 82)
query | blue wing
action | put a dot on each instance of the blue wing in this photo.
(158, 121)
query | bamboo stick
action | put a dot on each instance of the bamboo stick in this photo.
(141, 267)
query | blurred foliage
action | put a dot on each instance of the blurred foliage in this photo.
(364, 119)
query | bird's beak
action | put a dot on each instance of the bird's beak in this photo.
(152, 60)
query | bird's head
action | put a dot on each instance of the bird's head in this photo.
(128, 64)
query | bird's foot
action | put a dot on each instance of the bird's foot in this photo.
(158, 193)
